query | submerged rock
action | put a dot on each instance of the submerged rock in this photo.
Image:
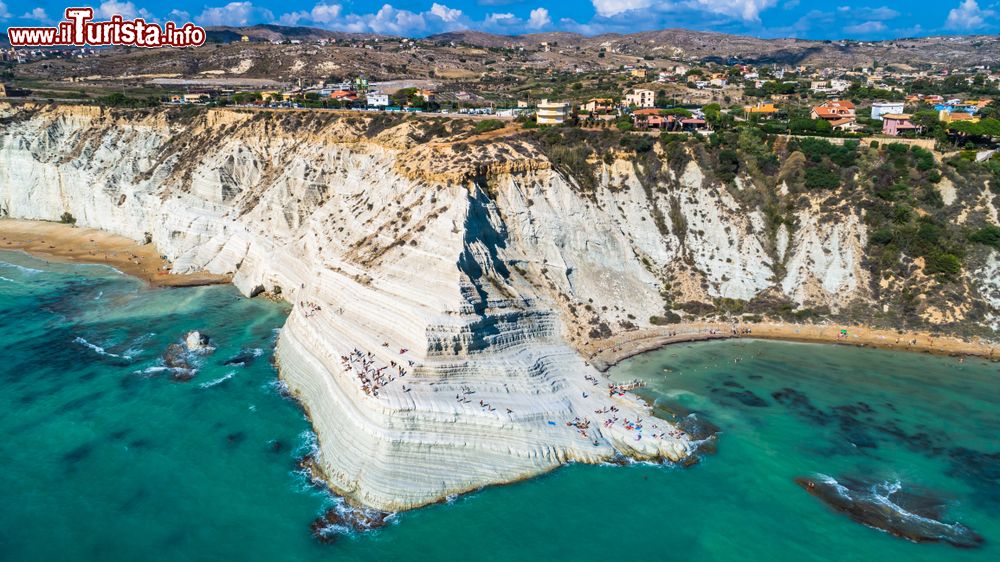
(703, 434)
(181, 359)
(800, 404)
(344, 519)
(243, 358)
(176, 357)
(885, 506)
(745, 397)
(981, 470)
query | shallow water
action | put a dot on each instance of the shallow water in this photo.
(108, 458)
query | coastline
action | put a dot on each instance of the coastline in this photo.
(604, 354)
(65, 243)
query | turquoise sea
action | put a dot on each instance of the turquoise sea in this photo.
(106, 457)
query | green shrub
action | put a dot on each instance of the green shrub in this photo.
(891, 192)
(729, 164)
(624, 124)
(896, 148)
(841, 155)
(947, 265)
(988, 236)
(882, 236)
(924, 158)
(637, 143)
(488, 125)
(67, 218)
(669, 317)
(821, 177)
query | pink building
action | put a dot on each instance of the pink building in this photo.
(895, 124)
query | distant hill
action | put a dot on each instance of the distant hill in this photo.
(448, 56)
(272, 33)
(721, 47)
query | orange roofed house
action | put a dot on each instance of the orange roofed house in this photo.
(761, 109)
(946, 116)
(650, 117)
(834, 110)
(343, 95)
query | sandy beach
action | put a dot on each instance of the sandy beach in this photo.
(605, 353)
(65, 243)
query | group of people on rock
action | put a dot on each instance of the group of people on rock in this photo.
(633, 426)
(371, 377)
(464, 396)
(581, 425)
(309, 308)
(621, 389)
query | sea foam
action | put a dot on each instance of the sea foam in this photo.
(219, 380)
(96, 348)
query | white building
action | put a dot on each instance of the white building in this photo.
(640, 98)
(378, 99)
(881, 108)
(834, 86)
(839, 85)
(552, 112)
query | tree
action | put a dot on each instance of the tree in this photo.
(729, 164)
(404, 97)
(714, 116)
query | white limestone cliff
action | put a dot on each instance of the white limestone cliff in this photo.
(476, 274)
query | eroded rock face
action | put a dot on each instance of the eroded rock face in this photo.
(888, 507)
(437, 293)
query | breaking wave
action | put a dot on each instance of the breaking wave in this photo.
(98, 349)
(219, 380)
(21, 268)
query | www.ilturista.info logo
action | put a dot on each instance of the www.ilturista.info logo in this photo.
(78, 30)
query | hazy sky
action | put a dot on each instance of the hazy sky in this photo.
(812, 19)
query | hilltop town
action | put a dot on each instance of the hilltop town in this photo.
(938, 89)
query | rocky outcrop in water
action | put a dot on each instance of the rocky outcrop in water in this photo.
(914, 516)
(198, 342)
